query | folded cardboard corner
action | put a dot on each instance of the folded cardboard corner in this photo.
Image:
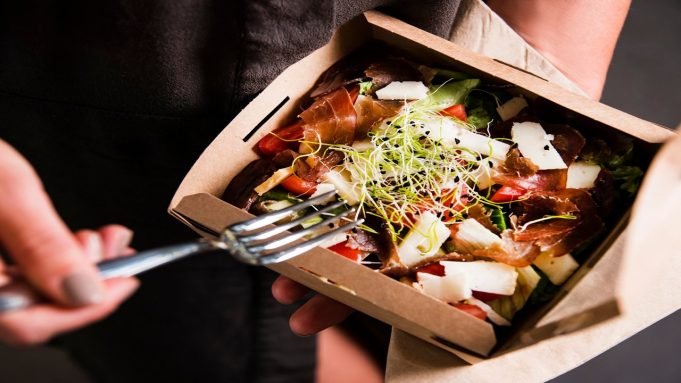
(196, 201)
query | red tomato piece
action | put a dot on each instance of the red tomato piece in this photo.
(299, 186)
(508, 194)
(280, 139)
(434, 268)
(347, 252)
(472, 310)
(486, 297)
(457, 111)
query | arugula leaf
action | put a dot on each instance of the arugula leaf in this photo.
(478, 117)
(365, 87)
(629, 177)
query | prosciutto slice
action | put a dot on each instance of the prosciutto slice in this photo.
(331, 119)
(560, 236)
(369, 111)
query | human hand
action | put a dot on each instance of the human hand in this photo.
(315, 315)
(57, 262)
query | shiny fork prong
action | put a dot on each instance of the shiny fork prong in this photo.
(288, 225)
(298, 234)
(295, 250)
(270, 218)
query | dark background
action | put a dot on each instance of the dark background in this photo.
(645, 81)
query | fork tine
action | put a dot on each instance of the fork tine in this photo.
(269, 218)
(283, 227)
(297, 235)
(300, 248)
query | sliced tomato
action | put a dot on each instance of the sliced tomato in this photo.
(457, 111)
(281, 139)
(347, 252)
(434, 268)
(472, 310)
(299, 186)
(508, 194)
(486, 297)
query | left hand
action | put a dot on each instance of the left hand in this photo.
(315, 315)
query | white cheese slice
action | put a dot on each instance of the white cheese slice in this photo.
(451, 290)
(535, 144)
(346, 189)
(323, 188)
(511, 108)
(482, 176)
(557, 269)
(488, 277)
(454, 135)
(471, 235)
(403, 90)
(582, 175)
(423, 240)
(278, 177)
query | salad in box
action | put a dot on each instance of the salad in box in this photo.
(442, 151)
(468, 193)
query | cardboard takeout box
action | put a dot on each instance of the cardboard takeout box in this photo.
(197, 205)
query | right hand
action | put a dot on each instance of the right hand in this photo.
(59, 263)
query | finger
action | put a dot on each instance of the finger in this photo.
(92, 244)
(286, 291)
(317, 314)
(39, 323)
(116, 240)
(38, 241)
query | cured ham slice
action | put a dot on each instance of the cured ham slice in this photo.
(331, 119)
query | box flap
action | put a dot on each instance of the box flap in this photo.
(652, 255)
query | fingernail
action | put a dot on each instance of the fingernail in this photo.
(123, 240)
(82, 289)
(94, 248)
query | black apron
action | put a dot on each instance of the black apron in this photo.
(112, 101)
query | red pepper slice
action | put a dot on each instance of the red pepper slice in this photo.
(280, 139)
(472, 310)
(507, 194)
(299, 186)
(347, 252)
(457, 111)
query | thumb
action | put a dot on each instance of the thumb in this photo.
(43, 248)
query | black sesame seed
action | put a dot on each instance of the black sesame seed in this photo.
(456, 179)
(457, 141)
(396, 145)
(491, 164)
(546, 147)
(422, 138)
(388, 122)
(331, 225)
(427, 131)
(442, 156)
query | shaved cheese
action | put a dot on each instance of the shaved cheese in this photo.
(582, 175)
(557, 269)
(511, 108)
(535, 144)
(403, 90)
(450, 290)
(488, 277)
(482, 176)
(423, 240)
(278, 177)
(471, 235)
(347, 190)
(454, 135)
(323, 188)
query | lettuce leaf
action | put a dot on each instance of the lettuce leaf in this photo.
(443, 96)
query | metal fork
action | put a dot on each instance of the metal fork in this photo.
(255, 242)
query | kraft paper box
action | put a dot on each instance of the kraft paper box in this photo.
(196, 203)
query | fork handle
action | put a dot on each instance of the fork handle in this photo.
(19, 294)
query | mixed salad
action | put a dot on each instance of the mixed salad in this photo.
(466, 193)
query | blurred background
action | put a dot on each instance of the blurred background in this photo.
(645, 81)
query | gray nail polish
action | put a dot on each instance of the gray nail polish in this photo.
(82, 289)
